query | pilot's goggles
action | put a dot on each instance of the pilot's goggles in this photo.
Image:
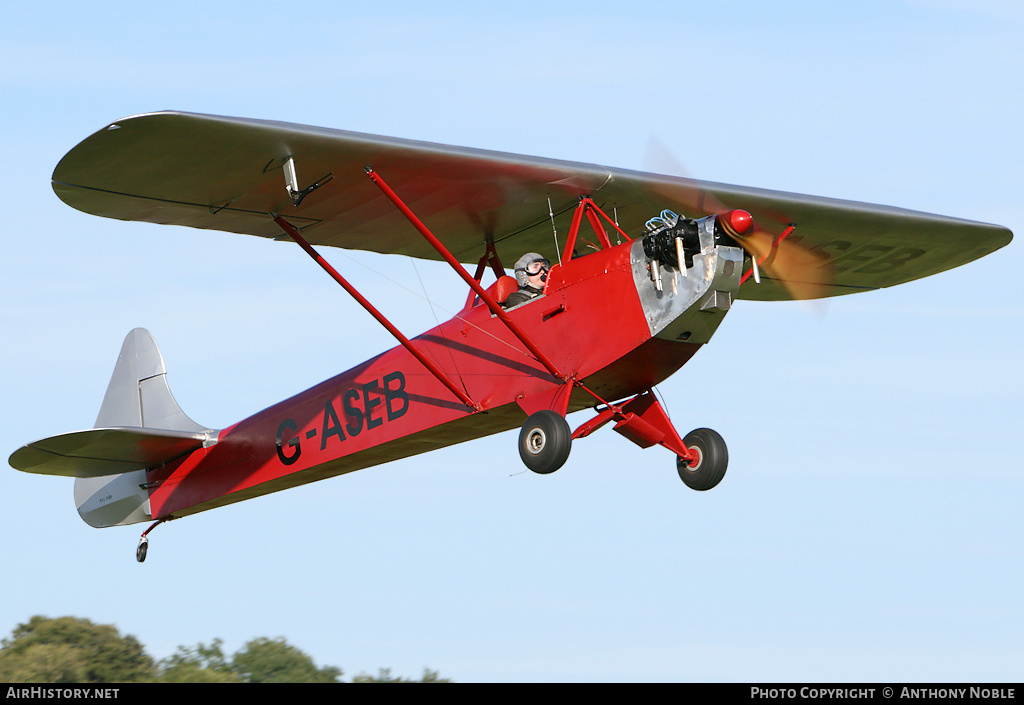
(537, 266)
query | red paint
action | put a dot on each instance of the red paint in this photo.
(737, 223)
(495, 308)
(475, 350)
(372, 310)
(594, 215)
(477, 374)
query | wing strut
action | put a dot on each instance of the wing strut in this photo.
(293, 233)
(587, 207)
(755, 261)
(493, 305)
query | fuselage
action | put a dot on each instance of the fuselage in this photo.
(601, 320)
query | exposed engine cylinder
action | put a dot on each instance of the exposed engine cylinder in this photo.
(670, 234)
(660, 241)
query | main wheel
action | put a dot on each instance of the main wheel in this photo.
(545, 442)
(709, 468)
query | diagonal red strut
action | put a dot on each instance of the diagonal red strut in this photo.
(495, 307)
(293, 233)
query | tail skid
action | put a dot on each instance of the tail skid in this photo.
(139, 426)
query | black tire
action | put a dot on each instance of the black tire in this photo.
(709, 469)
(545, 441)
(140, 552)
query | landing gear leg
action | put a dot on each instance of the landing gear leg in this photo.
(712, 459)
(545, 441)
(143, 547)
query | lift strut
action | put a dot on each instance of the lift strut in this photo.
(448, 257)
(586, 206)
(293, 233)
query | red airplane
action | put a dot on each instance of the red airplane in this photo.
(631, 272)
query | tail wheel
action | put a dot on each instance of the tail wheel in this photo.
(713, 457)
(545, 441)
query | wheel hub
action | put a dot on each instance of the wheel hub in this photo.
(536, 440)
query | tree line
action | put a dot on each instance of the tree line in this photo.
(75, 650)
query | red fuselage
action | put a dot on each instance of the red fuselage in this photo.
(590, 322)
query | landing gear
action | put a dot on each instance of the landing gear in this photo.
(713, 457)
(143, 547)
(545, 442)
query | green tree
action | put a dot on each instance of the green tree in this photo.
(276, 661)
(199, 664)
(384, 676)
(72, 650)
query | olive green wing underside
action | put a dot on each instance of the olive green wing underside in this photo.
(228, 174)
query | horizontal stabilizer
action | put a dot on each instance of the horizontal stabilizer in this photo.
(105, 451)
(140, 426)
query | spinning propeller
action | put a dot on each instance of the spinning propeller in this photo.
(802, 272)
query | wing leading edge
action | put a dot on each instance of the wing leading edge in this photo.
(228, 174)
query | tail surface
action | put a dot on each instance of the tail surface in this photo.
(139, 426)
(138, 395)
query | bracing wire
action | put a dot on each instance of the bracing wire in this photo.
(554, 232)
(433, 312)
(433, 304)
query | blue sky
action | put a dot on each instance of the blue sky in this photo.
(869, 526)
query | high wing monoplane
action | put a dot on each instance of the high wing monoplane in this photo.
(657, 260)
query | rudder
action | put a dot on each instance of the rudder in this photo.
(137, 397)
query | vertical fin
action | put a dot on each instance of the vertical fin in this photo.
(138, 394)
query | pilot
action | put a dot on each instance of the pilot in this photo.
(531, 273)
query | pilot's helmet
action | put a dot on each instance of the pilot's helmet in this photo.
(528, 264)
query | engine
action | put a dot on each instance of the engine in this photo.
(673, 240)
(670, 236)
